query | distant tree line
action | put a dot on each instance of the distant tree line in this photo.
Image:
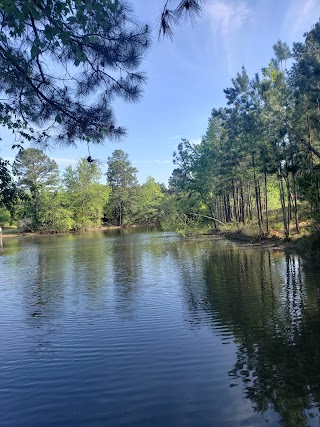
(34, 196)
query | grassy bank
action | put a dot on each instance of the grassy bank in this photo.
(306, 243)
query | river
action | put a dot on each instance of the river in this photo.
(128, 328)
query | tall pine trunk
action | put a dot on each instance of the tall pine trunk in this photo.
(295, 204)
(234, 201)
(241, 203)
(249, 202)
(266, 201)
(283, 206)
(257, 194)
(258, 204)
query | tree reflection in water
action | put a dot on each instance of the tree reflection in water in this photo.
(77, 292)
(274, 318)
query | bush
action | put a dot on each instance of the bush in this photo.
(5, 217)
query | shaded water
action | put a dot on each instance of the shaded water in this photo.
(147, 329)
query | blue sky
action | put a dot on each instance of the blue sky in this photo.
(186, 76)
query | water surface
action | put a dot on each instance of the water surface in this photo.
(140, 329)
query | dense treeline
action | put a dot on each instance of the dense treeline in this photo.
(34, 196)
(258, 163)
(263, 146)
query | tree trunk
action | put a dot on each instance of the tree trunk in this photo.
(212, 212)
(258, 202)
(219, 208)
(225, 207)
(249, 202)
(241, 203)
(283, 206)
(266, 201)
(257, 194)
(234, 201)
(229, 207)
(295, 202)
(120, 214)
(289, 211)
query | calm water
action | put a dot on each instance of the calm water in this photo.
(145, 329)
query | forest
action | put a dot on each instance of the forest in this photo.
(258, 163)
(36, 198)
(257, 166)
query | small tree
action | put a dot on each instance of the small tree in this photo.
(85, 196)
(121, 177)
(36, 172)
(148, 199)
(8, 188)
(54, 215)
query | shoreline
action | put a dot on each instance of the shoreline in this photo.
(271, 242)
(19, 234)
(274, 243)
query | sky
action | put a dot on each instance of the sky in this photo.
(186, 77)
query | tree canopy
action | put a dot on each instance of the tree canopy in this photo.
(62, 64)
(87, 197)
(35, 170)
(121, 177)
(8, 188)
(37, 198)
(260, 157)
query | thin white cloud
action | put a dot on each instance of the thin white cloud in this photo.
(300, 17)
(160, 162)
(226, 18)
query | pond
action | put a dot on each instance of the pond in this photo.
(130, 328)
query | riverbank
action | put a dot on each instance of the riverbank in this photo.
(11, 232)
(305, 244)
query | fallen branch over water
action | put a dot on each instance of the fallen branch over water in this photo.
(209, 217)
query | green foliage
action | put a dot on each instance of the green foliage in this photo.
(36, 173)
(310, 245)
(121, 178)
(5, 217)
(260, 153)
(147, 201)
(53, 216)
(85, 196)
(35, 170)
(43, 203)
(258, 160)
(8, 188)
(177, 214)
(62, 62)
